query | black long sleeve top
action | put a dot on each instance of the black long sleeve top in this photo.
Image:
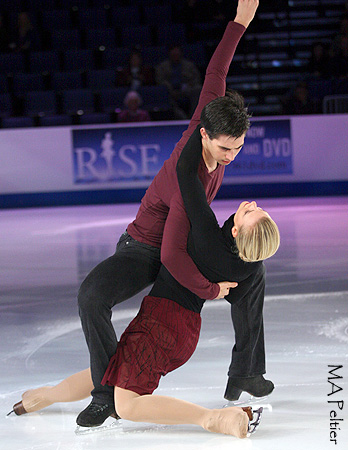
(211, 247)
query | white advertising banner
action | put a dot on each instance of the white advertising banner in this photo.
(298, 149)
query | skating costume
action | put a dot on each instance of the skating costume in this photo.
(161, 338)
(165, 332)
(159, 232)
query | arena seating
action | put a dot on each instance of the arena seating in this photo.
(70, 70)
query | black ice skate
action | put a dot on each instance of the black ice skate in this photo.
(94, 416)
(255, 386)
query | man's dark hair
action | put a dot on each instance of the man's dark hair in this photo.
(226, 116)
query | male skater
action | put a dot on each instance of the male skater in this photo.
(159, 233)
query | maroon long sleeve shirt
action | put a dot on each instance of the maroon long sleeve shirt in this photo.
(161, 220)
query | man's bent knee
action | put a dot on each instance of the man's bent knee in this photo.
(98, 288)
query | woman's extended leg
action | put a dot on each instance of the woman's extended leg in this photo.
(74, 388)
(169, 411)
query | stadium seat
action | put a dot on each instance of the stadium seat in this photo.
(70, 4)
(5, 105)
(78, 60)
(38, 103)
(24, 82)
(340, 86)
(112, 99)
(11, 5)
(75, 100)
(56, 19)
(3, 83)
(136, 35)
(62, 81)
(154, 54)
(63, 39)
(195, 52)
(96, 38)
(101, 79)
(319, 88)
(335, 104)
(92, 18)
(55, 120)
(94, 118)
(42, 5)
(12, 63)
(124, 14)
(155, 98)
(155, 14)
(115, 57)
(45, 61)
(17, 122)
(171, 33)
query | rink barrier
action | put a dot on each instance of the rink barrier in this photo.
(282, 157)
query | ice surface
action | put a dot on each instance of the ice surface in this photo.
(45, 254)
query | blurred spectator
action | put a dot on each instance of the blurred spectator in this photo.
(132, 111)
(183, 80)
(298, 101)
(25, 37)
(4, 38)
(136, 74)
(318, 62)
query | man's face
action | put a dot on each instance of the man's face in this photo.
(247, 215)
(222, 149)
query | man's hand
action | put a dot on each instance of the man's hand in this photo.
(225, 287)
(246, 11)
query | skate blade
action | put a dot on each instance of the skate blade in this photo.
(114, 425)
(249, 400)
(255, 422)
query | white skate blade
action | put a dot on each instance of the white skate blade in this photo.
(110, 426)
(254, 424)
(248, 400)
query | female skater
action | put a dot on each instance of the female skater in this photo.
(164, 334)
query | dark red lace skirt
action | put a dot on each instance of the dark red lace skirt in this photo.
(161, 338)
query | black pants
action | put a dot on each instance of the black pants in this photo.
(133, 267)
(248, 353)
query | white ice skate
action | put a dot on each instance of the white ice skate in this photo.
(255, 420)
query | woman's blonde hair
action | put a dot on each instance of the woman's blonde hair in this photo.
(258, 242)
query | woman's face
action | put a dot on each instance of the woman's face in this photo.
(247, 215)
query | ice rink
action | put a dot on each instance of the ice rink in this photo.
(45, 254)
